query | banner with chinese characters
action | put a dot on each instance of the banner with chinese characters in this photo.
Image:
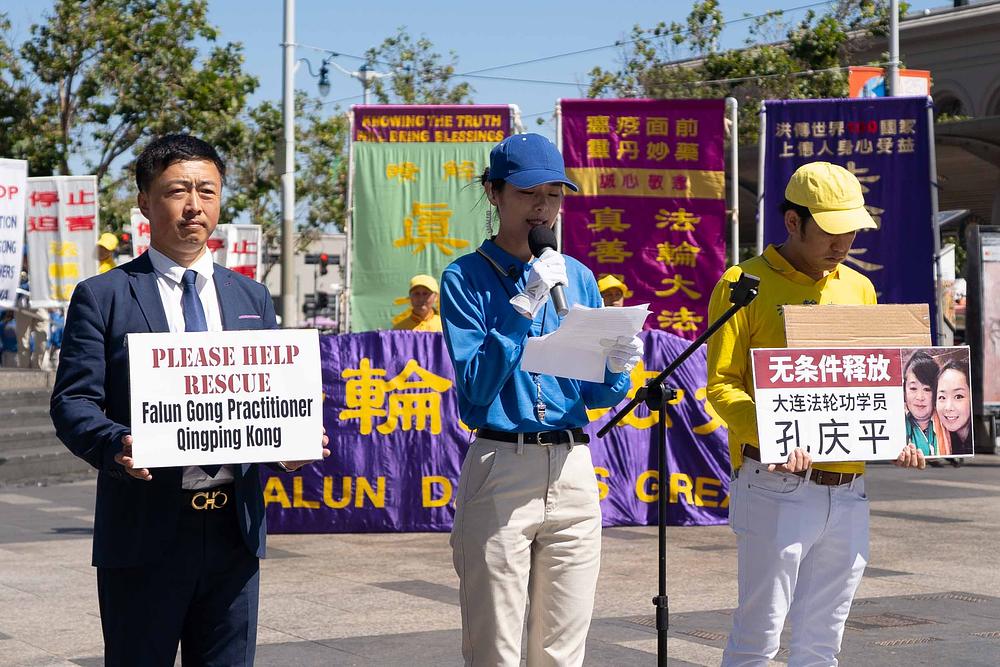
(885, 142)
(235, 247)
(862, 404)
(398, 444)
(651, 208)
(13, 190)
(423, 124)
(416, 208)
(62, 236)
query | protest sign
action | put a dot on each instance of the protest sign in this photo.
(13, 189)
(651, 209)
(203, 399)
(862, 404)
(63, 221)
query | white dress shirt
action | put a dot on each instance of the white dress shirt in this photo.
(168, 280)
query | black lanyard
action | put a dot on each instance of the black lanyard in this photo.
(539, 401)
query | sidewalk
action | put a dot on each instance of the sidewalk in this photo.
(931, 595)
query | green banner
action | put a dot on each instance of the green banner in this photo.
(416, 208)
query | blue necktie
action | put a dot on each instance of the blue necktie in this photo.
(194, 320)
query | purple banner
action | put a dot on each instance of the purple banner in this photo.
(398, 444)
(427, 123)
(651, 208)
(885, 142)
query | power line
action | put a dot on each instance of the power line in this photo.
(620, 43)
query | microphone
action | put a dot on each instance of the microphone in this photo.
(542, 240)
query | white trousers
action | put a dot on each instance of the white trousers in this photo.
(527, 528)
(802, 549)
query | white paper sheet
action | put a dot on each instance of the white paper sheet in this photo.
(574, 349)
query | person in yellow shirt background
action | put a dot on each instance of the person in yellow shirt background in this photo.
(423, 314)
(106, 246)
(802, 530)
(612, 290)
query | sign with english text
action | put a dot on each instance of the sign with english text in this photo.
(13, 189)
(204, 399)
(862, 404)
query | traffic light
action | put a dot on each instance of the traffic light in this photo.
(322, 301)
(309, 306)
(324, 260)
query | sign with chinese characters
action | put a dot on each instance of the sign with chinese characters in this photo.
(397, 444)
(206, 399)
(423, 124)
(13, 191)
(235, 247)
(62, 226)
(416, 208)
(862, 404)
(885, 143)
(651, 208)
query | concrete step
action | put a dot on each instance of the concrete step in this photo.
(26, 437)
(19, 378)
(23, 417)
(42, 464)
(23, 398)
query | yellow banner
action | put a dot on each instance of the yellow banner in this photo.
(626, 182)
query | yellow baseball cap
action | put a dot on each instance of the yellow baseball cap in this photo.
(610, 282)
(424, 280)
(833, 196)
(108, 241)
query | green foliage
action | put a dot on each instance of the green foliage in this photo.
(419, 75)
(780, 60)
(254, 184)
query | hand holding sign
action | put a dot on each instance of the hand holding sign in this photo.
(798, 460)
(124, 457)
(292, 466)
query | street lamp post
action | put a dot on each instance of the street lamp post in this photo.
(288, 305)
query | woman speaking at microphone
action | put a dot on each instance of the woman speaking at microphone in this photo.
(528, 520)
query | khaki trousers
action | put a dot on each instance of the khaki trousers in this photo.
(527, 529)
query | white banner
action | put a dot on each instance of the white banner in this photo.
(195, 401)
(235, 247)
(62, 226)
(139, 231)
(866, 404)
(243, 249)
(13, 190)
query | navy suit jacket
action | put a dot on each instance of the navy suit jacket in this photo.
(135, 519)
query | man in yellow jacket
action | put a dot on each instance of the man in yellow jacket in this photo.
(802, 530)
(423, 314)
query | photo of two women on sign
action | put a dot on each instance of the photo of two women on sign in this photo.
(937, 390)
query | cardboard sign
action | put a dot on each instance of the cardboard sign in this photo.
(862, 404)
(882, 325)
(231, 397)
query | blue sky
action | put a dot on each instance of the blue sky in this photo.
(482, 34)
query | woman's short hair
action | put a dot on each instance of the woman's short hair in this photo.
(924, 368)
(498, 183)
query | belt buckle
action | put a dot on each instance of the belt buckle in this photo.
(212, 499)
(540, 439)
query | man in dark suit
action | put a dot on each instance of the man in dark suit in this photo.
(176, 549)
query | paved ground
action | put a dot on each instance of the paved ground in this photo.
(930, 597)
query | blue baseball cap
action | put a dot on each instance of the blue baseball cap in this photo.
(527, 160)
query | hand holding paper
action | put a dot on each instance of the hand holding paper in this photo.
(623, 353)
(575, 350)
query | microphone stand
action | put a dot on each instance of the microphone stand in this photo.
(656, 397)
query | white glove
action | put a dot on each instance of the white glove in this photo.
(546, 272)
(622, 353)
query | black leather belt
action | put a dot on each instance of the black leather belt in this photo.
(539, 438)
(822, 477)
(204, 500)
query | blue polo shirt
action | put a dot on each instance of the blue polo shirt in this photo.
(486, 336)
